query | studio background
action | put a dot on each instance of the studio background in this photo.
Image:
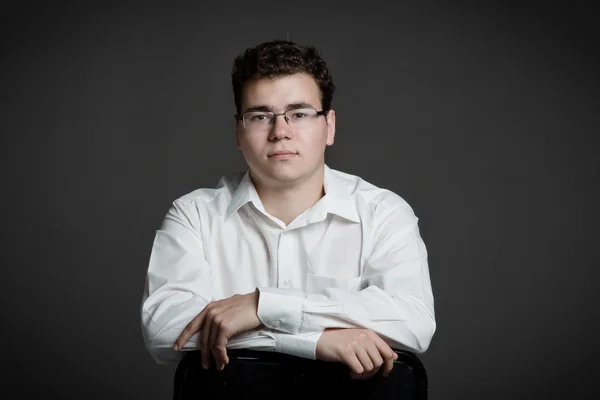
(484, 117)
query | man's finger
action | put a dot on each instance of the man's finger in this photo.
(388, 365)
(215, 332)
(220, 350)
(204, 341)
(384, 349)
(364, 359)
(387, 354)
(190, 329)
(375, 358)
(355, 366)
(374, 354)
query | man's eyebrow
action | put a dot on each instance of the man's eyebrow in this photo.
(258, 108)
(299, 104)
(290, 106)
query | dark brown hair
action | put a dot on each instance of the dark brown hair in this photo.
(280, 58)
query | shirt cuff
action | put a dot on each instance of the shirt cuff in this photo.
(304, 346)
(281, 309)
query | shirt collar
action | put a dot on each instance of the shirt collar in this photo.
(244, 193)
(337, 199)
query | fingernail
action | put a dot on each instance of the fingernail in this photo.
(176, 348)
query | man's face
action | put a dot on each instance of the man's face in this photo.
(305, 147)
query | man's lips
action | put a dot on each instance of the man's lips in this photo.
(282, 154)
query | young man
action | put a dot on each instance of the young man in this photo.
(290, 256)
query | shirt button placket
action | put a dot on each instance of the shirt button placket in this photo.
(284, 264)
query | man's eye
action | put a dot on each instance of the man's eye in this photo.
(298, 115)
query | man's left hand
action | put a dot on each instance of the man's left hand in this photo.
(218, 322)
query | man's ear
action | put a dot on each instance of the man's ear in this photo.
(330, 118)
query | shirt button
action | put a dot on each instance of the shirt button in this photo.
(286, 282)
(276, 323)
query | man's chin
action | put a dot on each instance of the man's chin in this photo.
(281, 173)
(284, 176)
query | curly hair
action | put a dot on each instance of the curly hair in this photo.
(281, 58)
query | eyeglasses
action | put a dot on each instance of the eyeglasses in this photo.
(298, 118)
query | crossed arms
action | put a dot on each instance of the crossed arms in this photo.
(396, 301)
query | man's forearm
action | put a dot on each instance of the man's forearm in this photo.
(403, 321)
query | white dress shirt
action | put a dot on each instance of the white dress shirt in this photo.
(353, 260)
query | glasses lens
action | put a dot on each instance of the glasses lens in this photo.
(301, 117)
(257, 120)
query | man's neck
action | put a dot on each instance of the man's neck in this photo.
(286, 203)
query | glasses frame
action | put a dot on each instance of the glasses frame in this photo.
(239, 117)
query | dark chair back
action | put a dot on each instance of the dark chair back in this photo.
(265, 375)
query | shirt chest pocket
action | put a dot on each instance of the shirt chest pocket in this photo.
(319, 284)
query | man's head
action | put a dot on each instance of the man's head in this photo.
(283, 77)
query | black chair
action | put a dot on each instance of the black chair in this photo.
(265, 375)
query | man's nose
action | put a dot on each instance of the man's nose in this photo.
(280, 128)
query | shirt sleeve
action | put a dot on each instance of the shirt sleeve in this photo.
(394, 298)
(178, 286)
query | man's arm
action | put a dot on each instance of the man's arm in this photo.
(179, 286)
(396, 301)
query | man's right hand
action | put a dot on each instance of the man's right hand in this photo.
(362, 350)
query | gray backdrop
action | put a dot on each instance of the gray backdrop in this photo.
(483, 117)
